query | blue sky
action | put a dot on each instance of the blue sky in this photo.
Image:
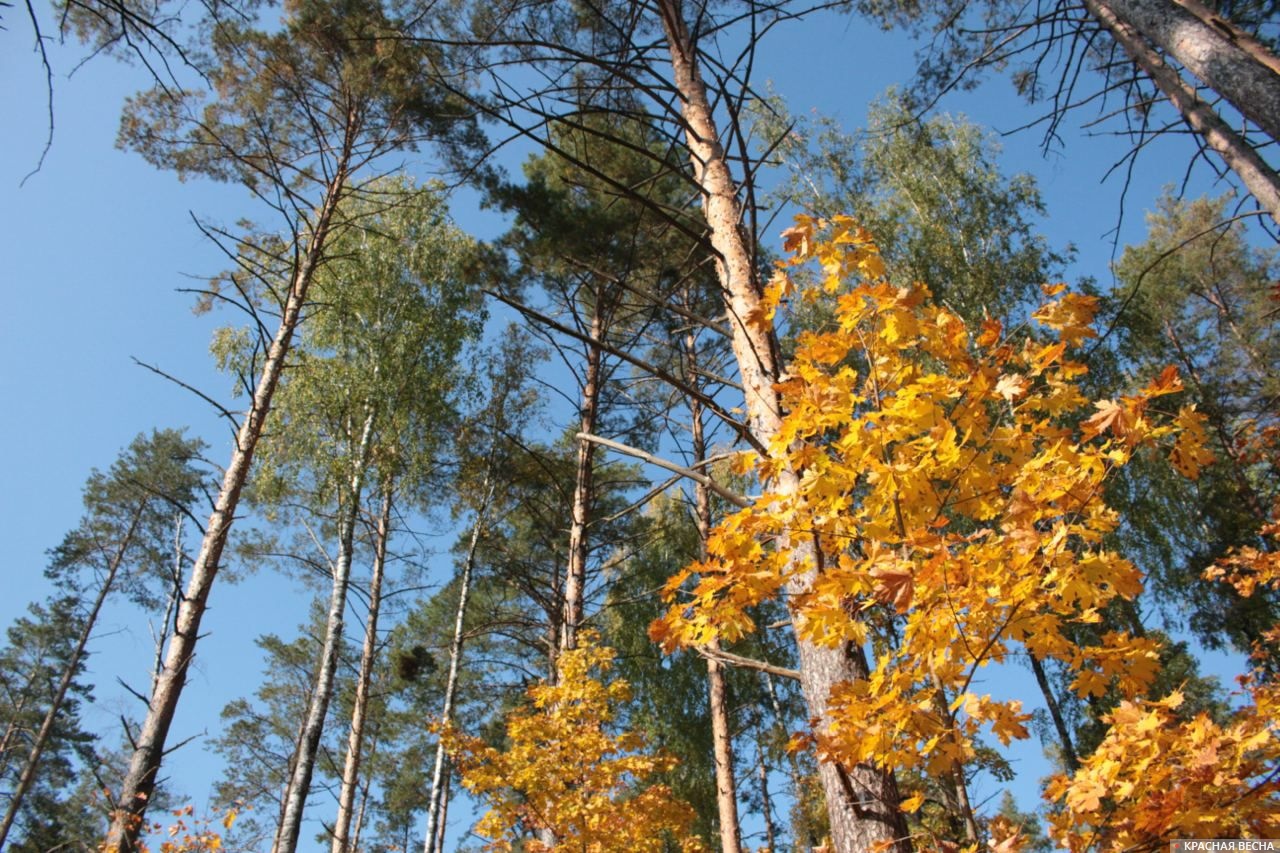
(95, 246)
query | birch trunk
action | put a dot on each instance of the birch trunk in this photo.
(304, 763)
(1220, 62)
(436, 801)
(368, 653)
(1257, 176)
(862, 802)
(32, 764)
(583, 487)
(149, 750)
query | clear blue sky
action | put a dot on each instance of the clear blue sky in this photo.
(94, 246)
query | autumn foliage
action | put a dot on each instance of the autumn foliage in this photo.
(945, 485)
(565, 775)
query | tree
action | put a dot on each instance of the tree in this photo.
(930, 193)
(125, 535)
(973, 505)
(369, 396)
(1144, 51)
(484, 450)
(595, 58)
(1196, 295)
(299, 113)
(33, 665)
(566, 773)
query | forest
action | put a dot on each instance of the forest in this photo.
(594, 447)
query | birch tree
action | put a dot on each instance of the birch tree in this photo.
(368, 399)
(297, 116)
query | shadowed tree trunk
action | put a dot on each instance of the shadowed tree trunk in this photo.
(1257, 176)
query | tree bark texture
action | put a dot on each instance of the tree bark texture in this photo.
(342, 841)
(149, 748)
(1217, 60)
(863, 801)
(1257, 176)
(575, 582)
(304, 763)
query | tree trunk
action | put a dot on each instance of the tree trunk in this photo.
(717, 690)
(32, 763)
(436, 801)
(304, 764)
(766, 803)
(862, 803)
(583, 486)
(1210, 53)
(170, 604)
(149, 750)
(355, 735)
(1069, 759)
(1258, 178)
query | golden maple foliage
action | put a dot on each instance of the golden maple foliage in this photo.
(565, 774)
(949, 484)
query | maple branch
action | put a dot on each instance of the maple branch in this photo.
(747, 663)
(731, 497)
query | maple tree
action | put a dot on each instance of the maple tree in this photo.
(564, 773)
(950, 496)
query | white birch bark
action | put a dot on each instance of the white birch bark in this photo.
(436, 802)
(342, 840)
(304, 762)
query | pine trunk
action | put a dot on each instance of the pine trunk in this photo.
(32, 764)
(1219, 61)
(304, 763)
(342, 842)
(1257, 176)
(717, 690)
(862, 802)
(149, 748)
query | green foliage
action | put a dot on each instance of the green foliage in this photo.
(38, 650)
(932, 196)
(1195, 294)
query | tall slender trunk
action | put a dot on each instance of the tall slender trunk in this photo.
(32, 764)
(304, 764)
(717, 690)
(355, 735)
(447, 782)
(1222, 63)
(863, 801)
(1257, 176)
(436, 801)
(171, 602)
(583, 486)
(766, 802)
(1069, 757)
(149, 748)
